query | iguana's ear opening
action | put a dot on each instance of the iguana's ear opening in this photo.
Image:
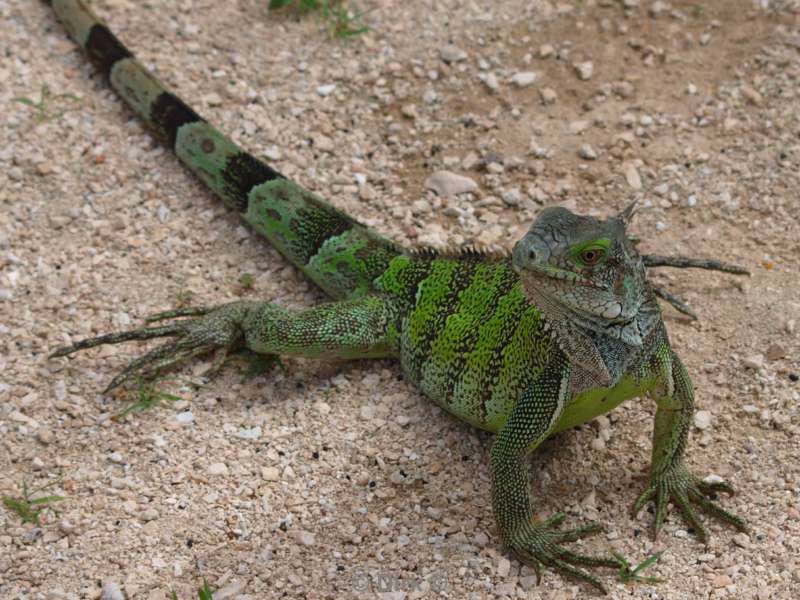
(626, 215)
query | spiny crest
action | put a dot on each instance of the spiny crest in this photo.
(470, 251)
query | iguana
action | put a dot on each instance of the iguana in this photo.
(523, 345)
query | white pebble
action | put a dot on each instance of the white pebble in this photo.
(632, 175)
(587, 152)
(270, 474)
(503, 567)
(523, 78)
(306, 538)
(755, 361)
(217, 469)
(111, 591)
(447, 184)
(548, 95)
(184, 417)
(451, 54)
(702, 419)
(490, 79)
(585, 70)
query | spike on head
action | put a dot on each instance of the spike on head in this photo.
(582, 268)
(627, 213)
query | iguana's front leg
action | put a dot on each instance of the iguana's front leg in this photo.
(531, 421)
(669, 477)
(348, 329)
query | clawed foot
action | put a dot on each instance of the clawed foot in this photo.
(683, 488)
(215, 329)
(538, 544)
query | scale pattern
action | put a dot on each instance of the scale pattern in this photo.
(524, 345)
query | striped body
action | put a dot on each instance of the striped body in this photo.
(465, 333)
(563, 330)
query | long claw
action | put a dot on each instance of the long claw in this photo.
(713, 487)
(568, 569)
(590, 561)
(688, 514)
(539, 544)
(722, 514)
(643, 499)
(144, 333)
(211, 329)
(678, 485)
(141, 363)
(189, 311)
(661, 512)
(554, 520)
(570, 535)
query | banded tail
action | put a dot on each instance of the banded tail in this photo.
(333, 249)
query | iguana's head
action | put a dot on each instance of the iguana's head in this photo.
(582, 268)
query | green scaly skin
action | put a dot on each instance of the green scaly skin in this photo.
(524, 345)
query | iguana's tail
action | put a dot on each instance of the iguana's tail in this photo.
(334, 250)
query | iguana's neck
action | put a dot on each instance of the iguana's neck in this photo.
(600, 353)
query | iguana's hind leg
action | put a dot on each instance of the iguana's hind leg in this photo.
(348, 329)
(685, 262)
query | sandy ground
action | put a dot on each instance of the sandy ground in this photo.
(334, 480)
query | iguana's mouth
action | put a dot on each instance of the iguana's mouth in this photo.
(611, 316)
(554, 273)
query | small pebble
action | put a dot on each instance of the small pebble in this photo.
(184, 417)
(775, 352)
(503, 567)
(548, 95)
(751, 95)
(447, 184)
(579, 126)
(585, 70)
(452, 54)
(754, 361)
(742, 540)
(490, 79)
(721, 580)
(217, 468)
(790, 326)
(270, 474)
(149, 514)
(111, 591)
(587, 152)
(230, 590)
(632, 175)
(702, 419)
(523, 79)
(306, 538)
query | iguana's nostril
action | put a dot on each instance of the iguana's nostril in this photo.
(532, 254)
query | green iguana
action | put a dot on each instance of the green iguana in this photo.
(526, 345)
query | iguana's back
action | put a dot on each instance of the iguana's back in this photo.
(465, 332)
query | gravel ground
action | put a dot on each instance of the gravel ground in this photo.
(328, 480)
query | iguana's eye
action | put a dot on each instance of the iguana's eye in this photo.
(591, 256)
